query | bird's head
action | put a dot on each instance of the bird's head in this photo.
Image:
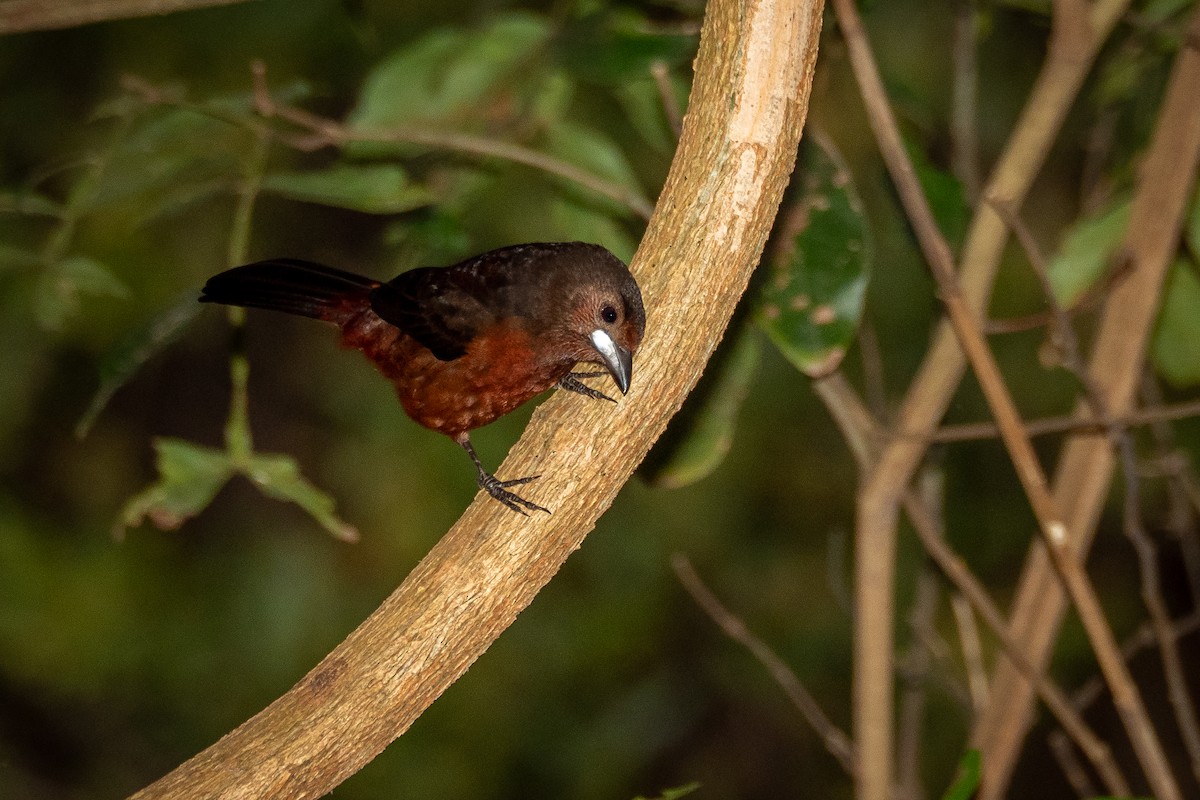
(600, 318)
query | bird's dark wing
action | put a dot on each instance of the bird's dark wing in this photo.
(441, 307)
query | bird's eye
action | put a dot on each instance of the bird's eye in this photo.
(608, 314)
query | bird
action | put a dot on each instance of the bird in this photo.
(467, 343)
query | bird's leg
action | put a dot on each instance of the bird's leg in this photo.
(497, 488)
(571, 383)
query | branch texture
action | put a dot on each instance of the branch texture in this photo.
(17, 16)
(753, 75)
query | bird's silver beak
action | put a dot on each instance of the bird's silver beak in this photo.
(616, 359)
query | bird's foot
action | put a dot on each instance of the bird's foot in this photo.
(571, 383)
(498, 489)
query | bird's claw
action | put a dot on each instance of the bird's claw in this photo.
(571, 383)
(498, 489)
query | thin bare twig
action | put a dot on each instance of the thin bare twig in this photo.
(1142, 638)
(666, 95)
(836, 742)
(1182, 703)
(1183, 490)
(874, 382)
(966, 326)
(1090, 299)
(972, 650)
(1071, 423)
(1085, 468)
(327, 132)
(862, 434)
(17, 16)
(964, 133)
(1076, 775)
(914, 676)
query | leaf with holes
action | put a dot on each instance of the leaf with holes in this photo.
(819, 264)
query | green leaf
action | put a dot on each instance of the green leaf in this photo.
(126, 358)
(675, 793)
(62, 283)
(88, 275)
(945, 193)
(586, 223)
(164, 152)
(643, 109)
(17, 257)
(618, 45)
(448, 75)
(189, 477)
(373, 188)
(1157, 12)
(813, 300)
(1191, 233)
(709, 425)
(595, 152)
(551, 98)
(279, 476)
(1176, 347)
(1085, 254)
(967, 781)
(30, 204)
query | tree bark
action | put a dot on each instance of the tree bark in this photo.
(19, 16)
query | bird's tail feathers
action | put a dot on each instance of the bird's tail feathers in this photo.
(292, 286)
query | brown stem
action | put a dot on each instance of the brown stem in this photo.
(1183, 705)
(1141, 639)
(836, 742)
(964, 103)
(1147, 552)
(972, 649)
(1084, 475)
(964, 319)
(666, 95)
(914, 672)
(326, 132)
(753, 75)
(861, 432)
(37, 15)
(1078, 423)
(1076, 775)
(926, 402)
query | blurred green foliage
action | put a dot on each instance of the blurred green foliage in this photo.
(133, 167)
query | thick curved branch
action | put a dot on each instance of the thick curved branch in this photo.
(18, 16)
(753, 75)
